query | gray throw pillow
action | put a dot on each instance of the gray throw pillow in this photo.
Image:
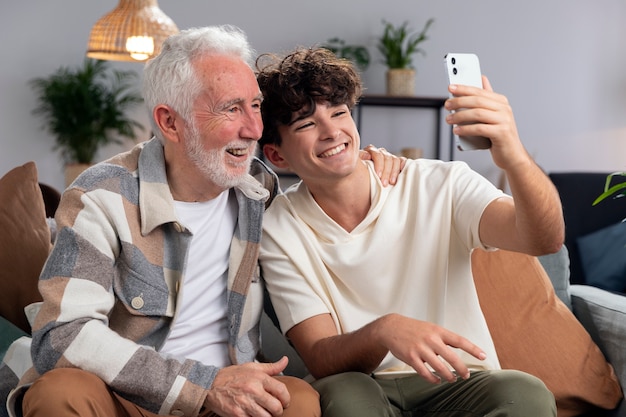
(603, 257)
(557, 268)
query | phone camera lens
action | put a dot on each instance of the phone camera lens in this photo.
(453, 61)
(454, 71)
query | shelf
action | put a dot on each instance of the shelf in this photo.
(402, 101)
(435, 103)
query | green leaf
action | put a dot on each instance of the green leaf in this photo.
(398, 45)
(358, 54)
(615, 190)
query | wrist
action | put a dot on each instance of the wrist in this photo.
(521, 164)
(380, 327)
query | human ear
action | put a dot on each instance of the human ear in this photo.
(166, 120)
(272, 154)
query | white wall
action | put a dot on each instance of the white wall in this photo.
(561, 63)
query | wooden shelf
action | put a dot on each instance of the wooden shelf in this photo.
(435, 103)
(402, 101)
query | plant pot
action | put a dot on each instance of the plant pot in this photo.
(401, 82)
(73, 170)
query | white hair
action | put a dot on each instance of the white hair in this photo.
(169, 78)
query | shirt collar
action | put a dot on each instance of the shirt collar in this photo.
(156, 203)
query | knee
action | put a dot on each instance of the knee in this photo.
(347, 383)
(305, 401)
(59, 390)
(61, 380)
(352, 394)
(524, 394)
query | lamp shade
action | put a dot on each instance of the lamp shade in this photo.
(133, 31)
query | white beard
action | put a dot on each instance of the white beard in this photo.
(211, 163)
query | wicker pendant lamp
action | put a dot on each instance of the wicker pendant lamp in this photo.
(133, 31)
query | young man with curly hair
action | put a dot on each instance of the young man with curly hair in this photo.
(373, 285)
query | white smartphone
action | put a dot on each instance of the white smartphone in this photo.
(464, 69)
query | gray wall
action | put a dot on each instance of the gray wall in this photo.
(561, 64)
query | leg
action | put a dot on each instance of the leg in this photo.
(353, 394)
(305, 401)
(518, 394)
(74, 392)
(489, 393)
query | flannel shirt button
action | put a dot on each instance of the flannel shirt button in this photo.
(177, 413)
(137, 303)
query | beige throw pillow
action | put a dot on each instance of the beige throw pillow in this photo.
(535, 332)
(24, 242)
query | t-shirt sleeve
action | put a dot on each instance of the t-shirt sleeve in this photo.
(288, 265)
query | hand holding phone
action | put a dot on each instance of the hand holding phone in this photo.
(464, 69)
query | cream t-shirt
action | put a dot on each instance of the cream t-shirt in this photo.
(410, 255)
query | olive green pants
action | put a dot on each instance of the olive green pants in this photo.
(486, 393)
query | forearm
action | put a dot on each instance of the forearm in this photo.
(358, 351)
(538, 214)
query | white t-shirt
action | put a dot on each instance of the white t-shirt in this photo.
(200, 329)
(410, 255)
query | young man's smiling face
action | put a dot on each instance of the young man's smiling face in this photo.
(324, 145)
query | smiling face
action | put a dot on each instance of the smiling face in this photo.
(321, 147)
(220, 140)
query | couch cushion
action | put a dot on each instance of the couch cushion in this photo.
(24, 242)
(533, 331)
(604, 315)
(556, 266)
(603, 257)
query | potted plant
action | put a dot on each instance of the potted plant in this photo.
(355, 53)
(85, 109)
(398, 45)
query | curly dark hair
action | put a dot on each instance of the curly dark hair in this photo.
(298, 82)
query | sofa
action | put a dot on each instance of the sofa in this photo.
(594, 234)
(589, 228)
(572, 336)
